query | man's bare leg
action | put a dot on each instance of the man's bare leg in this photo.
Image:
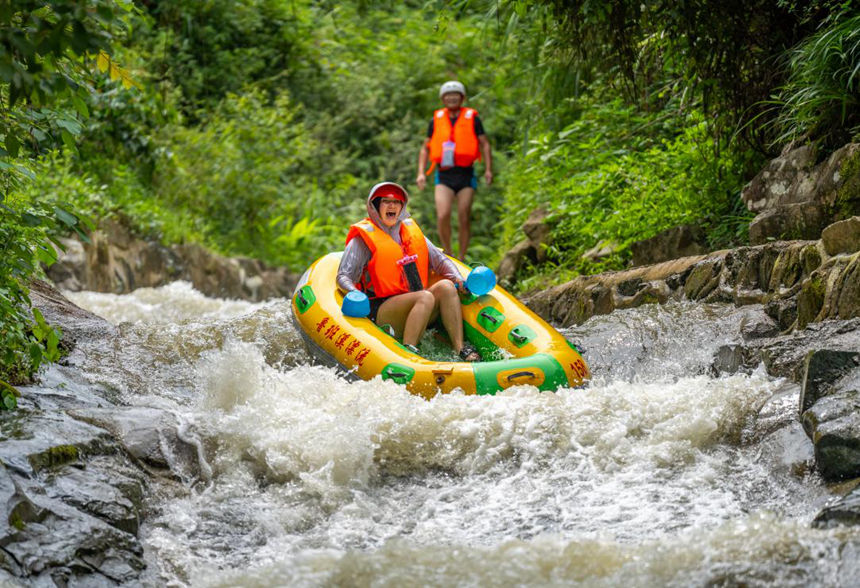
(464, 218)
(444, 202)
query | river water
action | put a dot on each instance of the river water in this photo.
(657, 473)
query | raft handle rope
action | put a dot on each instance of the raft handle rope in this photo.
(519, 338)
(489, 317)
(521, 375)
(302, 298)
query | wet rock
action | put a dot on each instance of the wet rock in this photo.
(104, 488)
(758, 326)
(842, 236)
(66, 271)
(71, 497)
(804, 220)
(539, 232)
(75, 322)
(783, 179)
(845, 511)
(682, 241)
(115, 261)
(729, 359)
(825, 372)
(841, 277)
(833, 424)
(43, 536)
(150, 435)
(703, 278)
(785, 356)
(810, 301)
(783, 311)
(58, 537)
(530, 250)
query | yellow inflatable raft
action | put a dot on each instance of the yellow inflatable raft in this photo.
(497, 324)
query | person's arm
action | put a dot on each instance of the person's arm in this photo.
(442, 265)
(355, 258)
(421, 179)
(423, 156)
(487, 155)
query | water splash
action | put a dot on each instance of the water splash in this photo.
(657, 473)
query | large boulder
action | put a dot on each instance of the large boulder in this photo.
(796, 197)
(842, 236)
(823, 374)
(532, 249)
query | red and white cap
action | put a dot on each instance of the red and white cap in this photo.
(388, 190)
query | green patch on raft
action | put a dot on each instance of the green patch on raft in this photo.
(487, 373)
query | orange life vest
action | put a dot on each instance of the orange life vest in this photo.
(383, 276)
(467, 148)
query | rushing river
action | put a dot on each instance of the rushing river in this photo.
(657, 473)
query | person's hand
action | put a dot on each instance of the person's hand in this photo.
(421, 181)
(488, 177)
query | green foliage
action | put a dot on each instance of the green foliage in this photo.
(26, 340)
(8, 396)
(718, 56)
(619, 176)
(43, 67)
(47, 51)
(821, 98)
(253, 181)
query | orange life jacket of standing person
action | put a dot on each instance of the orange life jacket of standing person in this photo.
(383, 276)
(467, 148)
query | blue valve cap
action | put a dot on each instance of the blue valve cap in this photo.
(355, 304)
(481, 280)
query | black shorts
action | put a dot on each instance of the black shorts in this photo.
(375, 303)
(457, 178)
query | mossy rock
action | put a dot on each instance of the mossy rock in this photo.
(810, 300)
(848, 194)
(810, 258)
(55, 456)
(702, 280)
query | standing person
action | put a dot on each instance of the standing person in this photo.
(389, 259)
(455, 139)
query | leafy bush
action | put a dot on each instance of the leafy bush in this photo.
(822, 96)
(26, 340)
(617, 176)
(252, 181)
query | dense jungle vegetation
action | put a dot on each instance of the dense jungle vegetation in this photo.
(256, 127)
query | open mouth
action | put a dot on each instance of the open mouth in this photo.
(390, 214)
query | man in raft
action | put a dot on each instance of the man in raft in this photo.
(391, 263)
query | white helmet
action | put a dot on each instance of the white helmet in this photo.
(452, 86)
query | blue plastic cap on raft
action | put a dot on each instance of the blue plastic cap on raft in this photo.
(355, 304)
(481, 280)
